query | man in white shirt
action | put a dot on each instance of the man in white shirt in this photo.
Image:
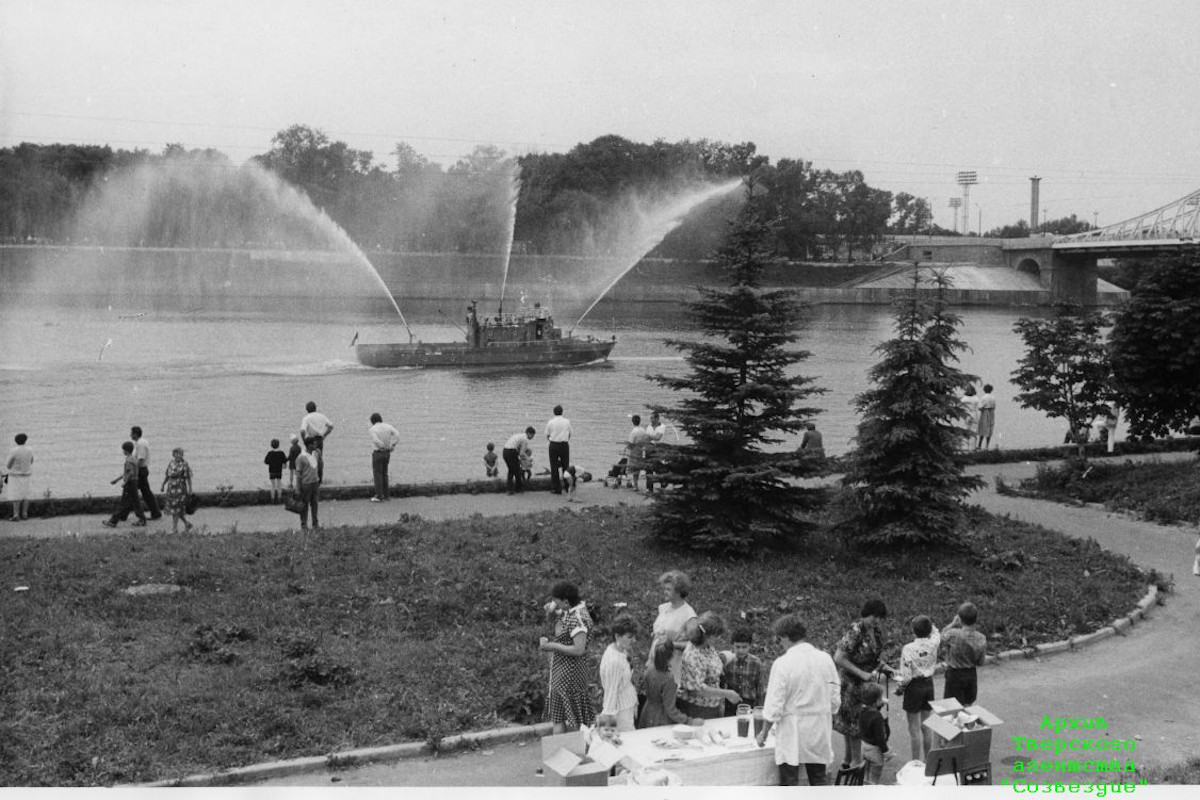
(512, 458)
(313, 429)
(558, 431)
(384, 438)
(803, 693)
(141, 451)
(635, 452)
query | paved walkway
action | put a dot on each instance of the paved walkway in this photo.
(1142, 683)
(334, 513)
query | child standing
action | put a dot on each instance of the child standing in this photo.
(616, 675)
(963, 649)
(874, 728)
(293, 451)
(915, 682)
(744, 672)
(275, 459)
(489, 461)
(525, 458)
(661, 689)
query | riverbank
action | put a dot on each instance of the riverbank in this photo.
(230, 497)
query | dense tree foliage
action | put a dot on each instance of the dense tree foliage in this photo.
(907, 468)
(740, 395)
(1155, 346)
(1065, 372)
(577, 202)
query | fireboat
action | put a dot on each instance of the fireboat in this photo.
(524, 339)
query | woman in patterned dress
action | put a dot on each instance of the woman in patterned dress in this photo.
(858, 658)
(568, 701)
(700, 689)
(178, 485)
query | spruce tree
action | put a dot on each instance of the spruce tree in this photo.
(739, 397)
(907, 468)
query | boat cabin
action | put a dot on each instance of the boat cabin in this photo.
(524, 327)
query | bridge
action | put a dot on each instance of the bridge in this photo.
(1066, 265)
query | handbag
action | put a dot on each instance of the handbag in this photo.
(191, 504)
(294, 504)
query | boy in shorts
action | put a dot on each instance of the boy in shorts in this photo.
(918, 659)
(275, 459)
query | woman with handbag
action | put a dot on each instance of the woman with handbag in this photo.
(178, 485)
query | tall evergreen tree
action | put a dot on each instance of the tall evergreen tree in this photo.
(907, 468)
(739, 397)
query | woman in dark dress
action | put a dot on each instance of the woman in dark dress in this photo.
(568, 702)
(178, 484)
(858, 658)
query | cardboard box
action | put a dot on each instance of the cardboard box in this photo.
(565, 761)
(973, 742)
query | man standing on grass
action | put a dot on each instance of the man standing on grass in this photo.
(384, 438)
(803, 693)
(313, 429)
(558, 431)
(141, 451)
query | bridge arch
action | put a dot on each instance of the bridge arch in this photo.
(1031, 266)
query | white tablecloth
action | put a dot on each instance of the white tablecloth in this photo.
(739, 763)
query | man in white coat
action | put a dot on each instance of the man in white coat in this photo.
(803, 694)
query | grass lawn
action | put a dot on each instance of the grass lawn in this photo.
(1164, 492)
(282, 646)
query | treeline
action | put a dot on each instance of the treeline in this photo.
(579, 202)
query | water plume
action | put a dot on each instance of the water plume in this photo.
(197, 229)
(648, 225)
(514, 191)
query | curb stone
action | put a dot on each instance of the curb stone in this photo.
(352, 758)
(399, 752)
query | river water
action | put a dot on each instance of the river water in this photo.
(222, 386)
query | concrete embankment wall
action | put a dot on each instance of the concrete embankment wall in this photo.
(243, 279)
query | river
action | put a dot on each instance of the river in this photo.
(223, 385)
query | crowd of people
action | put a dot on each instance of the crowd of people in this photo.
(804, 695)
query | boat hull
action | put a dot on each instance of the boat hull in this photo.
(551, 353)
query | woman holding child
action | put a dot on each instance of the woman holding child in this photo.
(858, 660)
(568, 704)
(671, 624)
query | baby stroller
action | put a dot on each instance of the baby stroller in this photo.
(616, 475)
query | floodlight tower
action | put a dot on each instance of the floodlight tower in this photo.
(956, 203)
(966, 180)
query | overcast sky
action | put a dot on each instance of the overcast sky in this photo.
(1098, 98)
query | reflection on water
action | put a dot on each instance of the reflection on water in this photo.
(223, 386)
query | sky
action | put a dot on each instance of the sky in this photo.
(1097, 98)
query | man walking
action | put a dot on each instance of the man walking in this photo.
(129, 491)
(384, 438)
(558, 431)
(313, 429)
(803, 694)
(141, 451)
(512, 458)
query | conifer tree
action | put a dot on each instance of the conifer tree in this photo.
(739, 397)
(907, 468)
